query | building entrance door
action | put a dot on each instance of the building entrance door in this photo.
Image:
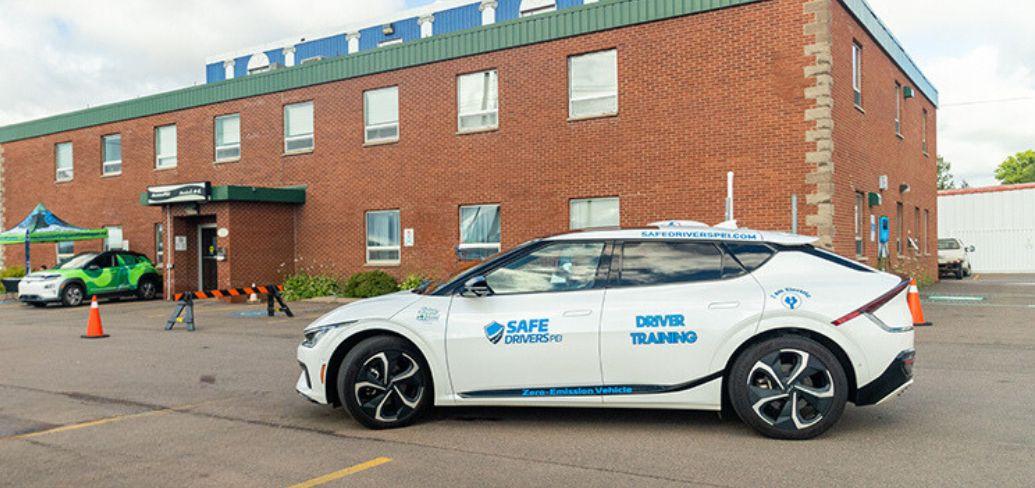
(208, 278)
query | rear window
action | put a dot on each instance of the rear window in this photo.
(752, 256)
(948, 244)
(659, 263)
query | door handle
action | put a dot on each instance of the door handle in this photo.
(578, 313)
(723, 305)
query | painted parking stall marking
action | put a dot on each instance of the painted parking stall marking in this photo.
(337, 475)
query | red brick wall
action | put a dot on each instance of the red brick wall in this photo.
(866, 146)
(698, 96)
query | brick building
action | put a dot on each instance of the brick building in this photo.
(424, 154)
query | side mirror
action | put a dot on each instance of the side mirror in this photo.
(476, 287)
(970, 249)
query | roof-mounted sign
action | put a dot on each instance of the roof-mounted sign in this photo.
(183, 193)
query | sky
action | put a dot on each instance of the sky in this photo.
(64, 55)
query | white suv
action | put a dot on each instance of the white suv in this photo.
(679, 315)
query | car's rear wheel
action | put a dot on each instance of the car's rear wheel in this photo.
(147, 289)
(73, 295)
(788, 387)
(384, 383)
(959, 272)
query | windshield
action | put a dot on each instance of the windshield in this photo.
(471, 271)
(79, 261)
(948, 244)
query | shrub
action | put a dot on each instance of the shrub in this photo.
(12, 272)
(412, 281)
(301, 286)
(370, 284)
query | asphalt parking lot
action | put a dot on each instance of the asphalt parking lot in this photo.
(217, 407)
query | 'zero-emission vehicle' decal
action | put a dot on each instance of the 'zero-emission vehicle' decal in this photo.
(675, 321)
(601, 390)
(524, 331)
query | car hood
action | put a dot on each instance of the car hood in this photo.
(382, 307)
(48, 274)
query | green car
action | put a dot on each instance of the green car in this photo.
(110, 273)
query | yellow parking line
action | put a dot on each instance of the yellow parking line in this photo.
(329, 477)
(94, 423)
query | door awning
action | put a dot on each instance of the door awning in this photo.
(203, 192)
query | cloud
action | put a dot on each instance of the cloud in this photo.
(65, 55)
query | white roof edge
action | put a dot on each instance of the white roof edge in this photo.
(365, 23)
(692, 233)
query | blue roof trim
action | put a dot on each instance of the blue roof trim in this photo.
(865, 15)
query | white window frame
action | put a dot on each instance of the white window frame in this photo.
(366, 239)
(492, 246)
(923, 134)
(63, 257)
(67, 172)
(860, 223)
(571, 79)
(390, 42)
(534, 7)
(460, 116)
(368, 127)
(589, 201)
(159, 230)
(898, 109)
(107, 164)
(299, 137)
(857, 73)
(215, 137)
(166, 157)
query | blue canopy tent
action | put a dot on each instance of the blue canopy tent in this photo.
(43, 226)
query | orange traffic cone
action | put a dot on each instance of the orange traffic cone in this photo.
(914, 305)
(94, 329)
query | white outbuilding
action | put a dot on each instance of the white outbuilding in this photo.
(999, 221)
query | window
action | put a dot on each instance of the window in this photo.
(555, 267)
(128, 259)
(381, 114)
(926, 235)
(916, 231)
(479, 231)
(532, 7)
(589, 213)
(752, 256)
(898, 109)
(390, 42)
(228, 138)
(159, 243)
(923, 133)
(660, 263)
(63, 161)
(898, 228)
(111, 147)
(593, 80)
(298, 128)
(114, 240)
(165, 147)
(383, 237)
(857, 73)
(860, 224)
(65, 252)
(477, 101)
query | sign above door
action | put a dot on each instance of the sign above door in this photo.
(182, 193)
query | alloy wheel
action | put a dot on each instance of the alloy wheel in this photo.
(148, 290)
(74, 296)
(388, 388)
(790, 389)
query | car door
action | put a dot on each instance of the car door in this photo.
(536, 336)
(101, 274)
(669, 307)
(126, 263)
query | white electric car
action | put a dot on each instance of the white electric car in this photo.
(676, 316)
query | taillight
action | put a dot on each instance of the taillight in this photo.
(875, 304)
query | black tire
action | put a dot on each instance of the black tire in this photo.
(959, 272)
(803, 403)
(73, 295)
(147, 288)
(378, 385)
(38, 304)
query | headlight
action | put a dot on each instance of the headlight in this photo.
(313, 336)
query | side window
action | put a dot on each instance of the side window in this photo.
(105, 260)
(752, 256)
(563, 266)
(127, 260)
(659, 263)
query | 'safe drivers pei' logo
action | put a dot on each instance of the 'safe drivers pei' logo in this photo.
(494, 332)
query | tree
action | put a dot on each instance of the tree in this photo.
(1019, 168)
(946, 180)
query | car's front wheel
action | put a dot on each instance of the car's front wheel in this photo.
(73, 295)
(789, 387)
(384, 383)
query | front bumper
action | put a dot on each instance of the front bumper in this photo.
(310, 382)
(39, 291)
(895, 379)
